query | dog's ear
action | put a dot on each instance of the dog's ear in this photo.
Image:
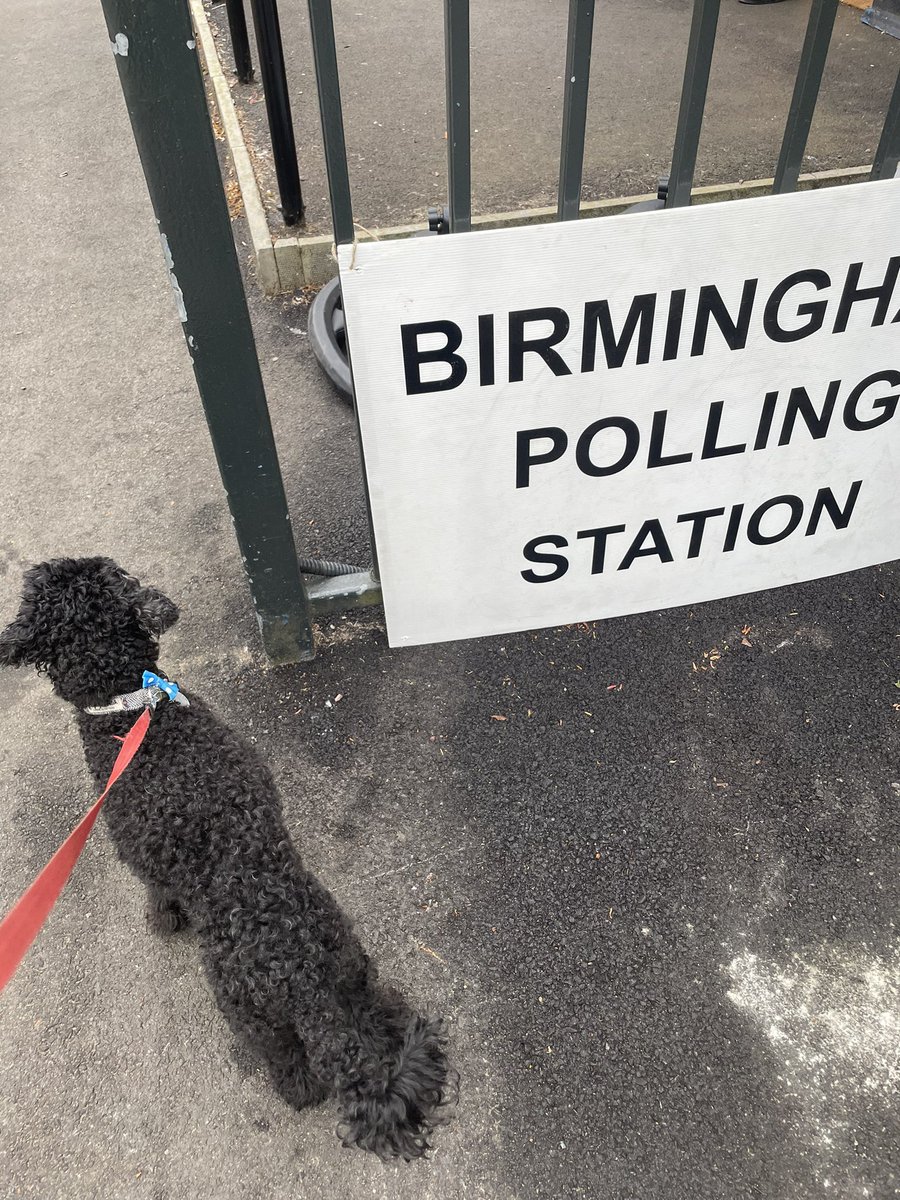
(16, 644)
(29, 637)
(13, 646)
(156, 612)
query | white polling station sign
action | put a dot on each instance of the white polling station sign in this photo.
(570, 421)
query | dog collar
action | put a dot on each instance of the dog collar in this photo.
(148, 696)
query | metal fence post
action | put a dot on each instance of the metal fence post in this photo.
(888, 153)
(701, 43)
(321, 27)
(806, 92)
(575, 92)
(278, 108)
(240, 42)
(459, 140)
(160, 76)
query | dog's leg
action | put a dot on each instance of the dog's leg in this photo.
(284, 1056)
(291, 1076)
(164, 913)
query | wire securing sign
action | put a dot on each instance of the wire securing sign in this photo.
(582, 420)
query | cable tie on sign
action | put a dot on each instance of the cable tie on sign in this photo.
(352, 264)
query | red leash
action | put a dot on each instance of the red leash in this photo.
(22, 923)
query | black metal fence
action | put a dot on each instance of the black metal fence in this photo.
(278, 104)
(884, 14)
(164, 92)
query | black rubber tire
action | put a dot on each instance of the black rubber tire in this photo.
(328, 338)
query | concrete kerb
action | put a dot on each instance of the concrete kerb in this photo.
(258, 226)
(288, 263)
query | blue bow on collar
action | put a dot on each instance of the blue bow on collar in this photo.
(165, 685)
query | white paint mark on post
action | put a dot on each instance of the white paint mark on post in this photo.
(120, 45)
(176, 286)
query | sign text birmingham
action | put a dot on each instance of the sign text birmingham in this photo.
(801, 305)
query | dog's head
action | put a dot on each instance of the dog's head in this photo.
(89, 625)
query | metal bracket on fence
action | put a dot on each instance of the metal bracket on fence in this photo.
(662, 192)
(331, 595)
(439, 219)
(160, 76)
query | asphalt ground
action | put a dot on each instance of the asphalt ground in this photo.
(391, 60)
(657, 902)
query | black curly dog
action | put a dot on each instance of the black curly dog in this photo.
(197, 817)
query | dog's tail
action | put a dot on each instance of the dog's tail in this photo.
(393, 1106)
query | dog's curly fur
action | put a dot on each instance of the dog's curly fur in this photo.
(198, 819)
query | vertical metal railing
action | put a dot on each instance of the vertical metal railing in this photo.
(575, 98)
(240, 41)
(459, 134)
(164, 93)
(328, 83)
(701, 44)
(321, 26)
(887, 155)
(278, 108)
(806, 93)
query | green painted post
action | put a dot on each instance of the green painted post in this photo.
(701, 44)
(806, 92)
(155, 52)
(575, 93)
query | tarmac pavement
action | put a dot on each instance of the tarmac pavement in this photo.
(661, 919)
